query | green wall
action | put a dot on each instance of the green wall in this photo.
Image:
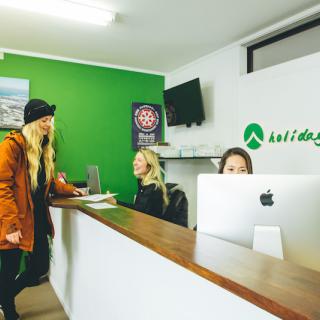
(93, 114)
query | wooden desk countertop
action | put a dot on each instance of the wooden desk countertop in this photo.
(284, 289)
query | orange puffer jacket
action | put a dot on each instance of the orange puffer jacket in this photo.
(16, 206)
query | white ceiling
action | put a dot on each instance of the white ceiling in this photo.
(158, 35)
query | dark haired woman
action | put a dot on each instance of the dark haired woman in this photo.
(235, 161)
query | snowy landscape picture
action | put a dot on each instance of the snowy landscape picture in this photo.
(14, 94)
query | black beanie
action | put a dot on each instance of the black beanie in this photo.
(36, 109)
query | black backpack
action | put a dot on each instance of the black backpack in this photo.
(177, 209)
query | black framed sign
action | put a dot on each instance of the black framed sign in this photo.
(146, 124)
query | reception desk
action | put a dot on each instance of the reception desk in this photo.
(122, 264)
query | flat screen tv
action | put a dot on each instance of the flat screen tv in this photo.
(183, 104)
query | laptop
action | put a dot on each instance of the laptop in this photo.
(229, 207)
(93, 180)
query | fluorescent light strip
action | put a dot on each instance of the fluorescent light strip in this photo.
(63, 9)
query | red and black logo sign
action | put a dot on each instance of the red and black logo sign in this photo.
(146, 124)
(146, 118)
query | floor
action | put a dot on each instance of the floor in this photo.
(39, 303)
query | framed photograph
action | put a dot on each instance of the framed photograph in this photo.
(14, 95)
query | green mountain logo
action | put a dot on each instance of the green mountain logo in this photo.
(253, 136)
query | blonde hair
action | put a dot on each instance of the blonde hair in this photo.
(154, 173)
(34, 138)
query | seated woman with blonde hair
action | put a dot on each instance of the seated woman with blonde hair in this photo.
(152, 195)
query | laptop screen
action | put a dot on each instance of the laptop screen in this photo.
(229, 206)
(93, 180)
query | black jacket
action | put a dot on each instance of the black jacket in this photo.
(149, 200)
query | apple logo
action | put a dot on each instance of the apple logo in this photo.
(266, 199)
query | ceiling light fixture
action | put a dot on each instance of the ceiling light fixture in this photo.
(64, 9)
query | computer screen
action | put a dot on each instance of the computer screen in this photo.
(229, 207)
(93, 180)
(183, 104)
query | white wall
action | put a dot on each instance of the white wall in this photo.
(219, 75)
(283, 96)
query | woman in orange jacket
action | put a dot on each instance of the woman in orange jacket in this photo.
(26, 178)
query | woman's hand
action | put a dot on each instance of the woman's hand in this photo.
(111, 200)
(14, 237)
(79, 192)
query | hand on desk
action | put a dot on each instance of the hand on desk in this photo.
(79, 192)
(111, 200)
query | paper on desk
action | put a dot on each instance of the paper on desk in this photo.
(100, 205)
(96, 197)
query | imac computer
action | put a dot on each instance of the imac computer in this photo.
(93, 180)
(230, 206)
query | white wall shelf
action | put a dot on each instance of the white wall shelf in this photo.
(215, 160)
(183, 158)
